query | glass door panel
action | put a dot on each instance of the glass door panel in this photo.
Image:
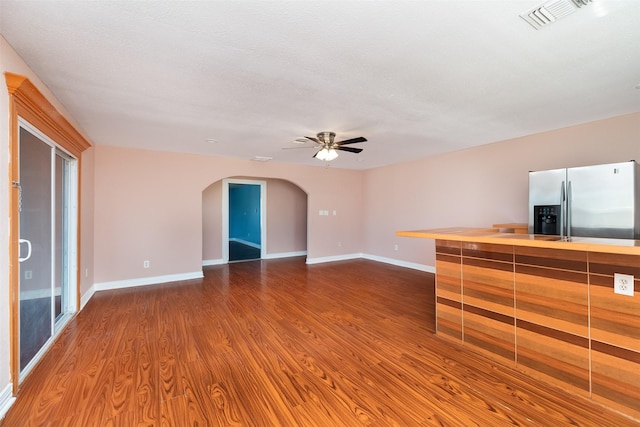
(61, 266)
(36, 255)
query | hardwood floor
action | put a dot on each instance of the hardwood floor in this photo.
(280, 343)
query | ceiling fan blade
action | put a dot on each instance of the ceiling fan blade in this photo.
(316, 140)
(349, 149)
(297, 148)
(314, 156)
(352, 140)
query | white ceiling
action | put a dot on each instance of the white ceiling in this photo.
(415, 78)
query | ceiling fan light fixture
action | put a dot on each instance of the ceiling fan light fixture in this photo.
(327, 154)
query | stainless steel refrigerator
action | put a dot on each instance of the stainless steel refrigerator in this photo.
(589, 201)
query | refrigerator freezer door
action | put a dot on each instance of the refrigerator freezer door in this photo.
(546, 188)
(602, 200)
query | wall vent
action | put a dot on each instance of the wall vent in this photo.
(549, 12)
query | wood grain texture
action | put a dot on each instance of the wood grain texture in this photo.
(562, 299)
(449, 318)
(616, 377)
(13, 210)
(614, 317)
(493, 236)
(552, 258)
(490, 333)
(33, 106)
(488, 251)
(554, 357)
(553, 298)
(281, 343)
(608, 264)
(488, 285)
(615, 334)
(448, 247)
(449, 277)
(449, 293)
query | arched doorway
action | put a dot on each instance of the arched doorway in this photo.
(285, 220)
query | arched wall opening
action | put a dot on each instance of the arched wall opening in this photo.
(286, 212)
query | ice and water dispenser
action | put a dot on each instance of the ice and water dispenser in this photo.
(546, 219)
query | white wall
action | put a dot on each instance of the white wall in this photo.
(86, 220)
(148, 206)
(5, 370)
(286, 217)
(481, 186)
(10, 61)
(212, 222)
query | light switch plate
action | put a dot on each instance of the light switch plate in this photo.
(623, 284)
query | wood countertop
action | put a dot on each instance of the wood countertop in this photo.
(493, 236)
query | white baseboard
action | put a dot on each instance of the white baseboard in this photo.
(6, 400)
(284, 255)
(143, 281)
(84, 299)
(399, 263)
(206, 262)
(245, 242)
(333, 258)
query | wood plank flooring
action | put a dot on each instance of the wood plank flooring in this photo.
(280, 343)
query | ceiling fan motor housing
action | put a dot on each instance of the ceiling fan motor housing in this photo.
(327, 137)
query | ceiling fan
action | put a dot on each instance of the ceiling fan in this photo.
(330, 146)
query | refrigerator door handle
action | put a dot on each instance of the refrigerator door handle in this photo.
(569, 209)
(563, 213)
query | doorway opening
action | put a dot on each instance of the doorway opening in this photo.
(283, 215)
(243, 220)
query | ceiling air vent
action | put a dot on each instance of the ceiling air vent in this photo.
(551, 11)
(261, 158)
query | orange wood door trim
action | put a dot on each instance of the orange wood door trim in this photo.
(26, 101)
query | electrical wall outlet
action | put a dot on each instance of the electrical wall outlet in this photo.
(28, 275)
(145, 264)
(623, 284)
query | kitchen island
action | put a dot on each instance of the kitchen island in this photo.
(545, 305)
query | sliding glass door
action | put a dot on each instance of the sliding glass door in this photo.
(46, 245)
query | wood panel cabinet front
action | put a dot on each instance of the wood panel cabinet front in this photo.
(488, 300)
(448, 290)
(615, 333)
(552, 313)
(552, 316)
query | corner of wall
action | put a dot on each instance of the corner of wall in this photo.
(6, 400)
(84, 299)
